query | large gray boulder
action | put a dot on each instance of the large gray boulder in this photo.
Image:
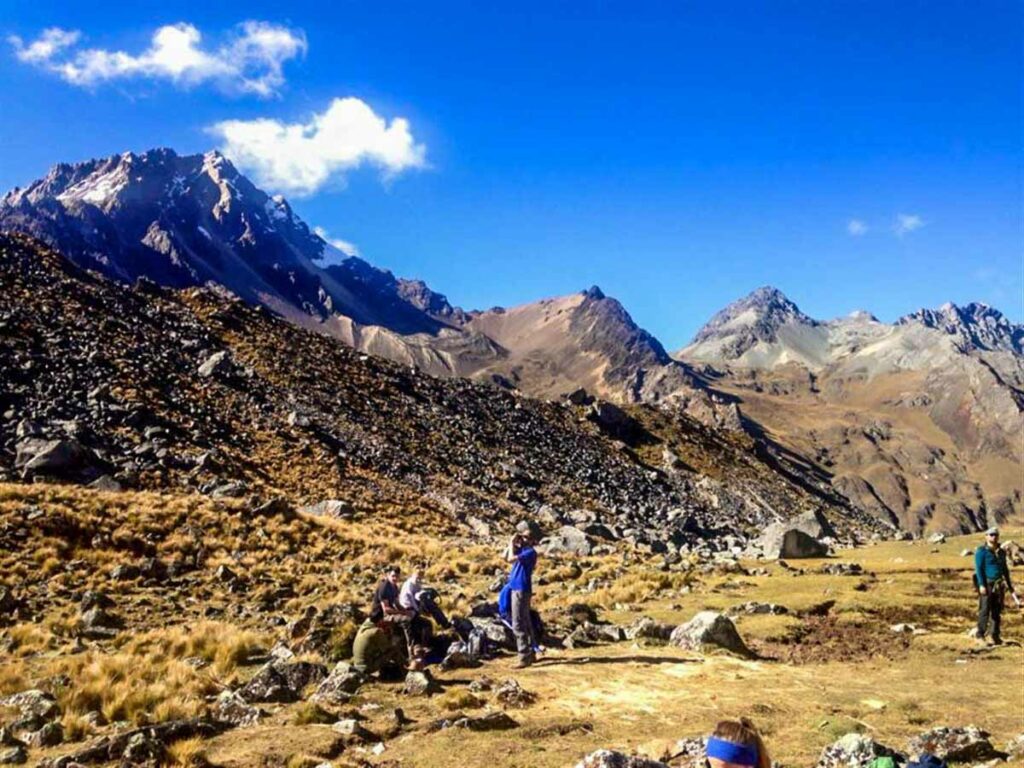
(567, 540)
(709, 629)
(782, 540)
(814, 524)
(57, 458)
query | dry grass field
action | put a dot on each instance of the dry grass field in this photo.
(187, 637)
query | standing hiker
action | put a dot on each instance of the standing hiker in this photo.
(523, 556)
(992, 578)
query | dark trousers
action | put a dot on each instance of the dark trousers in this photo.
(990, 606)
(429, 607)
(522, 624)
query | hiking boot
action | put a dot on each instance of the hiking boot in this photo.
(524, 663)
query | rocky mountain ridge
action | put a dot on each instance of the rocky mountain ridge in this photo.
(195, 220)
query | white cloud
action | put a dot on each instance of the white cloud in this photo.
(300, 158)
(906, 223)
(856, 228)
(349, 249)
(46, 46)
(250, 61)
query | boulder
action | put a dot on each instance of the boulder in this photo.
(782, 540)
(607, 758)
(14, 756)
(646, 627)
(958, 745)
(937, 538)
(492, 721)
(497, 632)
(352, 729)
(814, 524)
(338, 687)
(511, 694)
(854, 750)
(754, 608)
(329, 508)
(1015, 747)
(420, 683)
(231, 708)
(709, 628)
(282, 681)
(567, 540)
(50, 735)
(58, 458)
(33, 703)
(217, 364)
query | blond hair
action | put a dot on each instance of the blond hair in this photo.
(743, 731)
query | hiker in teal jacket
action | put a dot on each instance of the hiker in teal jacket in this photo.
(992, 577)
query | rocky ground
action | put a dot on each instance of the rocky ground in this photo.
(140, 628)
(143, 387)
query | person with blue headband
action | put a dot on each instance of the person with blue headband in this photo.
(737, 744)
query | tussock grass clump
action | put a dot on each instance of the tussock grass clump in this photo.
(309, 713)
(187, 753)
(455, 699)
(148, 680)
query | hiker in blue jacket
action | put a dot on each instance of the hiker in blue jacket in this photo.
(523, 556)
(992, 577)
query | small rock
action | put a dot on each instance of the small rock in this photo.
(420, 683)
(511, 694)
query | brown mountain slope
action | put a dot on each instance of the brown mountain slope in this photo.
(166, 389)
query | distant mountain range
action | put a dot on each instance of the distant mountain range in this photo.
(918, 422)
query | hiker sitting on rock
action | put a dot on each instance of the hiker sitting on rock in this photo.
(377, 647)
(422, 601)
(737, 744)
(523, 556)
(386, 613)
(992, 578)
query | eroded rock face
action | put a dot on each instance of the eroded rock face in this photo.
(709, 629)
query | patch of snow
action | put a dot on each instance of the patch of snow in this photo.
(204, 233)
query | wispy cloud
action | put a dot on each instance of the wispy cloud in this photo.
(856, 228)
(251, 60)
(347, 248)
(300, 158)
(907, 223)
(49, 43)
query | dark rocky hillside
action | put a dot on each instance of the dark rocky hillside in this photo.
(147, 387)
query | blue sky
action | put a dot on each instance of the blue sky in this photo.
(676, 154)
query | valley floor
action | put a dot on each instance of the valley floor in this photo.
(822, 671)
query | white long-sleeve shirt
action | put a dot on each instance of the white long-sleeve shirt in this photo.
(409, 596)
